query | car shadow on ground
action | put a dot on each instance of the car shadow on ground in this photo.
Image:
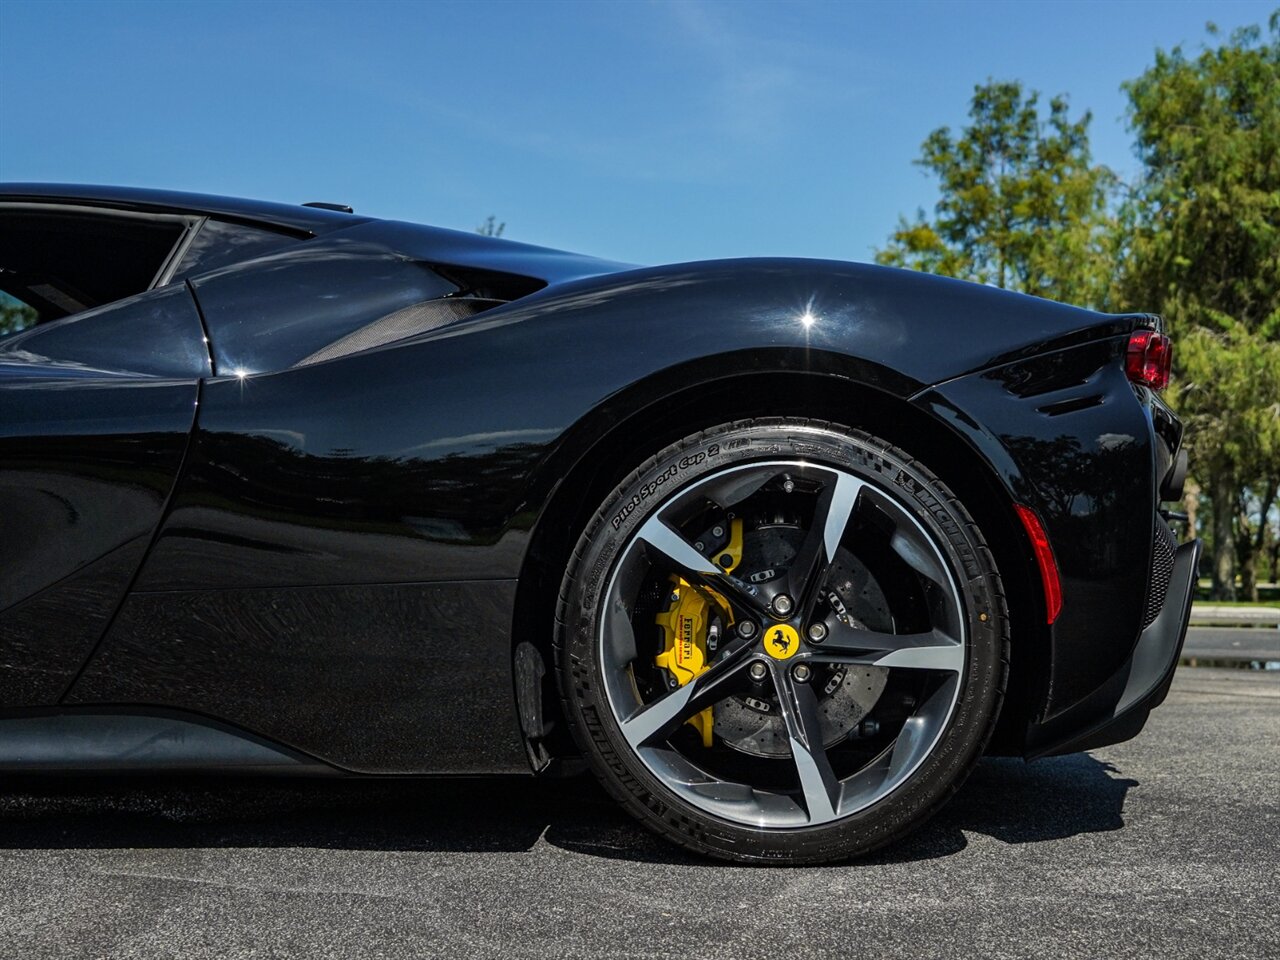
(1006, 799)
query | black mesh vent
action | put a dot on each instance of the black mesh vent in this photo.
(406, 322)
(1161, 571)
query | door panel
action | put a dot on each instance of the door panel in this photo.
(376, 678)
(88, 457)
(45, 639)
(85, 469)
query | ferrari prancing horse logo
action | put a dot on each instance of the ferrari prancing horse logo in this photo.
(781, 641)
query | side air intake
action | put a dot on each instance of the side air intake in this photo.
(406, 322)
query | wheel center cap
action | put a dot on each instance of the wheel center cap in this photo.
(781, 641)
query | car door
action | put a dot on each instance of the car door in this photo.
(100, 372)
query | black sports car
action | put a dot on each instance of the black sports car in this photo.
(778, 548)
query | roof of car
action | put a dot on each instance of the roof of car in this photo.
(311, 220)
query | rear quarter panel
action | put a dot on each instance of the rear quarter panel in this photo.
(430, 461)
(1071, 437)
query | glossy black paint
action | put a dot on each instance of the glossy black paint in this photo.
(338, 567)
(303, 221)
(403, 678)
(1117, 710)
(86, 466)
(397, 464)
(121, 742)
(1072, 439)
(290, 304)
(45, 639)
(156, 334)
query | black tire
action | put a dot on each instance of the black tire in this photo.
(975, 708)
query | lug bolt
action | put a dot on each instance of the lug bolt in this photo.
(817, 631)
(747, 629)
(801, 672)
(758, 670)
(788, 485)
(782, 605)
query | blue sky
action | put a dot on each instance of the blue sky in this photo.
(652, 131)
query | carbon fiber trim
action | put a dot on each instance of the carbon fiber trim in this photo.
(406, 322)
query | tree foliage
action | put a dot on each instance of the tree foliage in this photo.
(1022, 206)
(14, 315)
(1196, 238)
(1205, 217)
(1201, 240)
(491, 227)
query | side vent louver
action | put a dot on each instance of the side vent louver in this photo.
(406, 322)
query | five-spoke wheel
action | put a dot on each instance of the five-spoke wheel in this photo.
(782, 638)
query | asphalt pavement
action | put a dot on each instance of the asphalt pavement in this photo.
(1233, 643)
(1167, 846)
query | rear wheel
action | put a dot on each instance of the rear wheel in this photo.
(782, 640)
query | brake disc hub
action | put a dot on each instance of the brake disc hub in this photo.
(845, 696)
(694, 619)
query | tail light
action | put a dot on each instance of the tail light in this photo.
(1148, 359)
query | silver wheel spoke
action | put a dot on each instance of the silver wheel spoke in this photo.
(679, 551)
(827, 500)
(910, 544)
(727, 490)
(915, 739)
(664, 715)
(844, 498)
(831, 516)
(693, 566)
(910, 651)
(818, 781)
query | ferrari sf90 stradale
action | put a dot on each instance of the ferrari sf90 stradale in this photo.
(778, 548)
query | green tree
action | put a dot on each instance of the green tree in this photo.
(1201, 242)
(1227, 391)
(1022, 206)
(14, 315)
(491, 227)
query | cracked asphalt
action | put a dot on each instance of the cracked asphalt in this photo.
(1167, 846)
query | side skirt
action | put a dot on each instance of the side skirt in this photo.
(122, 742)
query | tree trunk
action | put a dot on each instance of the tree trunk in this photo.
(1249, 577)
(1253, 543)
(1191, 503)
(1224, 543)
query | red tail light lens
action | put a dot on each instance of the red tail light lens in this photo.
(1044, 559)
(1148, 359)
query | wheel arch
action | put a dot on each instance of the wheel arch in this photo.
(776, 383)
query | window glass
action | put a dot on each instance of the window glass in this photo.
(15, 316)
(217, 244)
(61, 261)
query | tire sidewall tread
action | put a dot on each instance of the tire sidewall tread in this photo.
(743, 441)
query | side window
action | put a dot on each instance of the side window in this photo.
(15, 316)
(62, 260)
(219, 244)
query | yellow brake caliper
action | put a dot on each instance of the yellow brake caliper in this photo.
(686, 622)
